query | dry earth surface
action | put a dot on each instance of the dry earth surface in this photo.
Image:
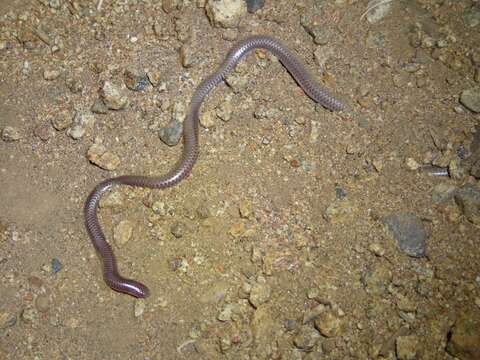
(301, 233)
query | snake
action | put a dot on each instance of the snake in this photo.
(190, 150)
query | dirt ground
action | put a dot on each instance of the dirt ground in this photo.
(276, 247)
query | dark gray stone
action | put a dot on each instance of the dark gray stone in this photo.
(254, 5)
(172, 133)
(56, 265)
(409, 232)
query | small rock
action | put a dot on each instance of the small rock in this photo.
(50, 75)
(311, 314)
(407, 347)
(306, 338)
(76, 132)
(97, 154)
(236, 82)
(245, 209)
(72, 323)
(171, 133)
(187, 55)
(99, 107)
(254, 5)
(170, 5)
(138, 307)
(179, 112)
(159, 208)
(378, 10)
(123, 232)
(203, 211)
(178, 229)
(456, 170)
(224, 110)
(471, 99)
(409, 232)
(320, 35)
(328, 324)
(56, 265)
(135, 79)
(7, 319)
(43, 132)
(113, 96)
(464, 339)
(226, 313)
(62, 121)
(468, 199)
(443, 192)
(412, 164)
(226, 13)
(155, 77)
(10, 134)
(42, 303)
(29, 315)
(238, 229)
(472, 17)
(377, 279)
(259, 294)
(75, 84)
(338, 210)
(113, 199)
(207, 119)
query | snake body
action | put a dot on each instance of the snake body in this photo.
(190, 150)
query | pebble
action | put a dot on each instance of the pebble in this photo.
(468, 199)
(338, 210)
(10, 134)
(464, 336)
(259, 294)
(76, 132)
(207, 119)
(472, 17)
(379, 9)
(56, 265)
(178, 229)
(99, 107)
(123, 232)
(311, 314)
(138, 307)
(443, 192)
(171, 133)
(42, 303)
(113, 96)
(135, 79)
(159, 208)
(44, 132)
(155, 77)
(245, 209)
(254, 5)
(377, 278)
(203, 211)
(470, 98)
(236, 82)
(409, 232)
(412, 164)
(75, 84)
(29, 315)
(62, 121)
(179, 111)
(99, 155)
(226, 13)
(225, 109)
(306, 338)
(226, 313)
(328, 324)
(407, 347)
(50, 75)
(170, 5)
(238, 229)
(187, 56)
(72, 323)
(319, 34)
(7, 319)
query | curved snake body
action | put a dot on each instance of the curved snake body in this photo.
(190, 151)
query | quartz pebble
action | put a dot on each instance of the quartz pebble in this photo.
(99, 155)
(113, 96)
(10, 134)
(226, 13)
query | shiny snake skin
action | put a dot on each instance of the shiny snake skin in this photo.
(190, 150)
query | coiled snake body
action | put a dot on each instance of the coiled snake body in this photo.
(190, 151)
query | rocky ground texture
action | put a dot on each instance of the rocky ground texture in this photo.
(301, 234)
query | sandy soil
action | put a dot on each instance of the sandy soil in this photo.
(245, 249)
